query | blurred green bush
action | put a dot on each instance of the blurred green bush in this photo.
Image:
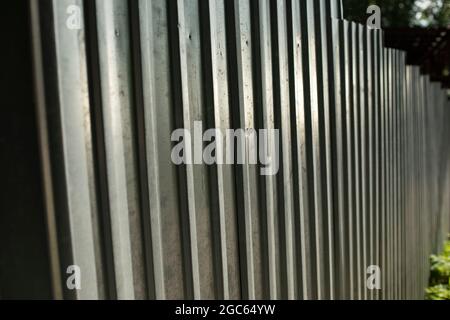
(439, 288)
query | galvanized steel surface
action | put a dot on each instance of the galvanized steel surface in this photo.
(364, 177)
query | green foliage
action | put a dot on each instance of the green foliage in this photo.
(440, 275)
(401, 13)
(440, 269)
(434, 13)
(438, 292)
(447, 249)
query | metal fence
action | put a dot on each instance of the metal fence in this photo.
(364, 177)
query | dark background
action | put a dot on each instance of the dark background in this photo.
(23, 250)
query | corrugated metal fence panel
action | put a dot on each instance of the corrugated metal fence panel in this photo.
(363, 174)
(164, 235)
